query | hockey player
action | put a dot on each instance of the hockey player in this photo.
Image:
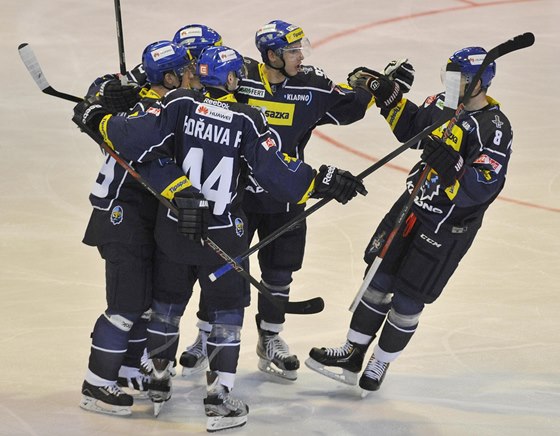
(122, 228)
(216, 141)
(468, 171)
(295, 99)
(195, 38)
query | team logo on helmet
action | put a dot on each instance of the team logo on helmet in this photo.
(239, 227)
(117, 215)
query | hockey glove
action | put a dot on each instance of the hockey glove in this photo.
(401, 72)
(386, 92)
(89, 114)
(448, 163)
(341, 185)
(117, 97)
(194, 214)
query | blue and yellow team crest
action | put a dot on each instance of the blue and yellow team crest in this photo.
(239, 227)
(117, 215)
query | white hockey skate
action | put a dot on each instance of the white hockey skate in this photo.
(222, 409)
(194, 359)
(159, 386)
(106, 399)
(373, 376)
(274, 356)
(348, 361)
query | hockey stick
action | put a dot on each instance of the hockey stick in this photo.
(120, 41)
(32, 65)
(305, 307)
(513, 44)
(524, 40)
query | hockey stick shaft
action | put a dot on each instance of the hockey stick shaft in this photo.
(120, 39)
(516, 43)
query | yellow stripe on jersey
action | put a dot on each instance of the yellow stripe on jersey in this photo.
(308, 193)
(395, 114)
(149, 93)
(452, 190)
(103, 130)
(346, 86)
(264, 78)
(176, 186)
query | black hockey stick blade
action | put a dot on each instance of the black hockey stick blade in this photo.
(30, 61)
(306, 307)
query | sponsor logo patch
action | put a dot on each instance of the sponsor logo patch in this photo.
(154, 111)
(215, 113)
(277, 114)
(484, 159)
(268, 144)
(163, 52)
(253, 92)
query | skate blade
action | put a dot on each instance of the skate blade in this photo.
(157, 408)
(217, 423)
(94, 405)
(346, 377)
(268, 367)
(365, 393)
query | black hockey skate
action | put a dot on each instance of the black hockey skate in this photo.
(222, 409)
(349, 357)
(106, 399)
(274, 355)
(194, 359)
(373, 376)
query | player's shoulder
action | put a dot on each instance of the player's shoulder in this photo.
(311, 76)
(492, 117)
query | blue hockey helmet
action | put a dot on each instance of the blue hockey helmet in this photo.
(276, 36)
(215, 63)
(469, 60)
(195, 37)
(162, 57)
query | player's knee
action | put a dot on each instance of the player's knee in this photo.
(167, 313)
(123, 320)
(403, 320)
(225, 333)
(376, 297)
(276, 278)
(230, 317)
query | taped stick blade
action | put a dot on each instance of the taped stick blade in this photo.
(30, 61)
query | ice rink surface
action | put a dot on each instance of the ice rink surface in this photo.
(484, 360)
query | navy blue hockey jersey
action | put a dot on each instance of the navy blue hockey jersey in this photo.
(483, 137)
(293, 109)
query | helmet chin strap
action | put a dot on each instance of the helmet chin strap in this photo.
(282, 68)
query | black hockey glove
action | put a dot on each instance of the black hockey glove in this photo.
(89, 114)
(117, 97)
(448, 163)
(386, 92)
(402, 72)
(341, 185)
(194, 214)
